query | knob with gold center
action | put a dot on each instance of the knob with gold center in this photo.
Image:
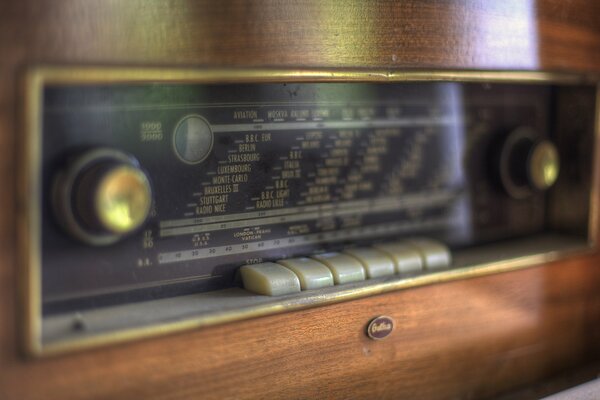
(543, 165)
(101, 196)
(528, 163)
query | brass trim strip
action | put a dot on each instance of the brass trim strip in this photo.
(594, 219)
(29, 181)
(91, 75)
(29, 214)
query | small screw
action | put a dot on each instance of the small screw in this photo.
(78, 323)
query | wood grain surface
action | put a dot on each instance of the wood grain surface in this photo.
(469, 339)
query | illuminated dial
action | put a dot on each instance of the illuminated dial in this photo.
(192, 139)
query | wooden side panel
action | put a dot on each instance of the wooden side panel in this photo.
(467, 339)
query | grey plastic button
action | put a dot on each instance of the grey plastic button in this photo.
(269, 279)
(312, 274)
(435, 254)
(407, 259)
(345, 269)
(375, 262)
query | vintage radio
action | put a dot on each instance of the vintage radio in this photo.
(165, 199)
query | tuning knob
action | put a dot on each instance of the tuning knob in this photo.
(101, 196)
(527, 164)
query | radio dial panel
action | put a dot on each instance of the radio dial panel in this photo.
(210, 201)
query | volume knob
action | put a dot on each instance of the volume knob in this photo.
(527, 163)
(101, 196)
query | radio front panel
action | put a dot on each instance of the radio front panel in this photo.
(189, 196)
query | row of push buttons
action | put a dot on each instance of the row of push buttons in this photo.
(351, 265)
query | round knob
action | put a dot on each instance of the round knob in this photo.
(528, 164)
(101, 196)
(544, 165)
(122, 199)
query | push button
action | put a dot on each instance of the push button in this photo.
(375, 262)
(345, 269)
(436, 255)
(312, 274)
(269, 279)
(407, 259)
